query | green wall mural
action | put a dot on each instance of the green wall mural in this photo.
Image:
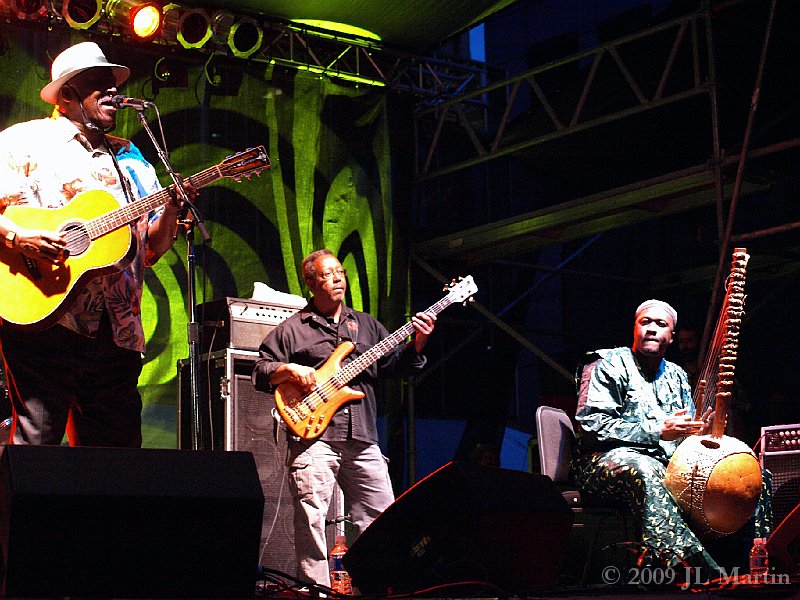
(330, 184)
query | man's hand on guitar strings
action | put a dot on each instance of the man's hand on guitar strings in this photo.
(46, 246)
(303, 377)
(423, 323)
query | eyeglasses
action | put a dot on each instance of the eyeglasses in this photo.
(335, 273)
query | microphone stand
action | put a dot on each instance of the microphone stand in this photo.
(198, 443)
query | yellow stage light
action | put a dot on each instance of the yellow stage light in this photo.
(81, 14)
(191, 27)
(245, 37)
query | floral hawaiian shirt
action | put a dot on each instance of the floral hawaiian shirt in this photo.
(46, 163)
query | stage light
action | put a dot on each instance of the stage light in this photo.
(81, 14)
(143, 19)
(245, 37)
(191, 27)
(221, 22)
(146, 20)
(29, 10)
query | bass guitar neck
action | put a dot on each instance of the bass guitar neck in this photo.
(308, 413)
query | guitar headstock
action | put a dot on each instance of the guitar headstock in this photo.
(461, 290)
(244, 164)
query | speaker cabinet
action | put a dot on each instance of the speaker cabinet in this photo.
(784, 544)
(251, 427)
(785, 471)
(241, 420)
(130, 523)
(781, 456)
(465, 522)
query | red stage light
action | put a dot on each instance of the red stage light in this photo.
(142, 19)
(145, 20)
(29, 9)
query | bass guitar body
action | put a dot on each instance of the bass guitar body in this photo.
(35, 293)
(308, 415)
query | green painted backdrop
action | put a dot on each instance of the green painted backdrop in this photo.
(330, 184)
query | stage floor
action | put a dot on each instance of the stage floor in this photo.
(731, 587)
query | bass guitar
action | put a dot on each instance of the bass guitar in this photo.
(308, 414)
(99, 242)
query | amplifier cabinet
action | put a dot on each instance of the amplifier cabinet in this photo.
(780, 454)
(241, 420)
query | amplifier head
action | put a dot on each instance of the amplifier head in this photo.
(239, 323)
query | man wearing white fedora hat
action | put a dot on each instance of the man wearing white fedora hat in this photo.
(79, 375)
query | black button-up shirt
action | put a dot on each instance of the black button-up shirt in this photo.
(309, 338)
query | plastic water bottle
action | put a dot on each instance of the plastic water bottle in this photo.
(341, 582)
(759, 559)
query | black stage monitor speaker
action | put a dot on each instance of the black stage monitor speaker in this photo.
(465, 522)
(784, 544)
(131, 523)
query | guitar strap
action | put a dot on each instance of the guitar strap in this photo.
(126, 190)
(351, 323)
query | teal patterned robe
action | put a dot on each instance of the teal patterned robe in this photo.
(620, 454)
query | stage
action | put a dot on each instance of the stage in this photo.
(732, 588)
(138, 523)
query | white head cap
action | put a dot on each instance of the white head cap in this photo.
(662, 305)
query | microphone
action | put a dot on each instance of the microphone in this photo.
(126, 102)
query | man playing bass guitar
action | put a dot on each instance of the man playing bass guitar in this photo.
(347, 450)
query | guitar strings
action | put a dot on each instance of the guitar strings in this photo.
(105, 223)
(354, 368)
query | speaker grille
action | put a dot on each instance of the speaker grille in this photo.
(242, 421)
(253, 430)
(785, 469)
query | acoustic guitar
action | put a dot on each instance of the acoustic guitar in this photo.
(308, 415)
(35, 294)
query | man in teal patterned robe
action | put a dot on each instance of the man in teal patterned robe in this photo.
(634, 409)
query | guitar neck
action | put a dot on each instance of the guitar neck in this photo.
(130, 212)
(347, 372)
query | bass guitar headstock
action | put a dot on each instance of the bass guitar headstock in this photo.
(461, 290)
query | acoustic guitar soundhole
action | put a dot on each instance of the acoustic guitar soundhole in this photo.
(77, 238)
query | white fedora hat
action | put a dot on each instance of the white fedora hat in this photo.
(74, 60)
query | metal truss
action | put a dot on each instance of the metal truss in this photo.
(673, 48)
(678, 64)
(365, 61)
(340, 56)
